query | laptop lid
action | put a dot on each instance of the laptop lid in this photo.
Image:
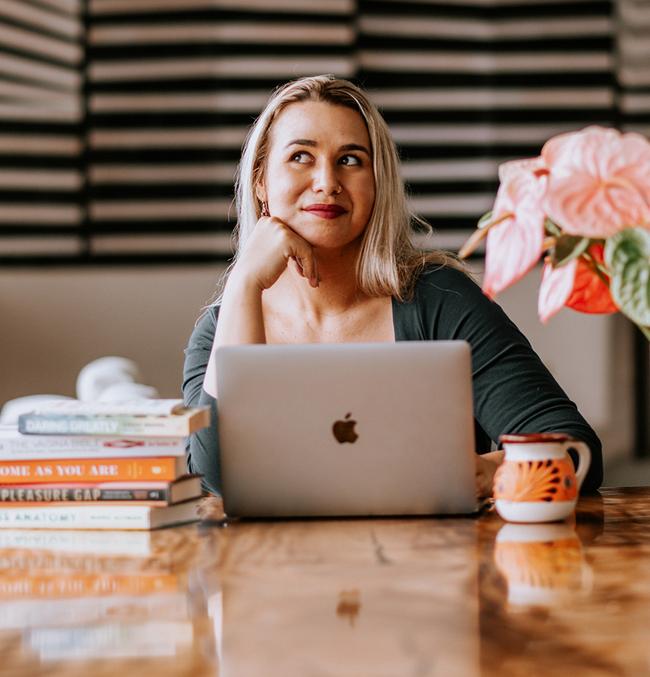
(346, 429)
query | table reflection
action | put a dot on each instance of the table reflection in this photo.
(336, 599)
(468, 596)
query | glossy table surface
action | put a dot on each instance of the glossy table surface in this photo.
(353, 597)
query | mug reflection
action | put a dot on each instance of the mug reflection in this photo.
(543, 564)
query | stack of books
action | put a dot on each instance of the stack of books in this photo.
(78, 465)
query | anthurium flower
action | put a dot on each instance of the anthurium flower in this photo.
(599, 181)
(556, 287)
(514, 242)
(590, 293)
(574, 285)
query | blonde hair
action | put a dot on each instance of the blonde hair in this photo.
(388, 263)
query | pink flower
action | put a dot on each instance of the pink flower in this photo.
(514, 244)
(575, 285)
(599, 181)
(556, 287)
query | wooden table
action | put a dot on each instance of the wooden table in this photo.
(362, 598)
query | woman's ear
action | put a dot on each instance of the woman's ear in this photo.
(260, 192)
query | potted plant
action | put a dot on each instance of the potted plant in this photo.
(583, 206)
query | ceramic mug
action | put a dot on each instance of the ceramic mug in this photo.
(536, 481)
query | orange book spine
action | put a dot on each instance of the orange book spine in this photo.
(91, 470)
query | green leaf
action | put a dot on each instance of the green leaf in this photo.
(484, 220)
(628, 256)
(552, 228)
(627, 245)
(567, 248)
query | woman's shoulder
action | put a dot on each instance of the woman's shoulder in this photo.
(204, 328)
(435, 279)
(448, 298)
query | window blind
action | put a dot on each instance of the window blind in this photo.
(41, 149)
(171, 86)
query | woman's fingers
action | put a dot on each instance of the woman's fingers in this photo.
(307, 265)
(303, 256)
(485, 470)
(272, 246)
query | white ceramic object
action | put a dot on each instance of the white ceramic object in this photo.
(537, 481)
(99, 374)
(120, 392)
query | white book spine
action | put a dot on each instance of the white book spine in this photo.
(140, 407)
(35, 447)
(77, 517)
(88, 424)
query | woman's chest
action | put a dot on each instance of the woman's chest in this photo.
(370, 323)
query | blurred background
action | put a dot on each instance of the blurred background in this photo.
(121, 123)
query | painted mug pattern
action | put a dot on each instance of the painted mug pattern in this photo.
(550, 480)
(537, 481)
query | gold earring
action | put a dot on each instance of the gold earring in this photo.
(265, 209)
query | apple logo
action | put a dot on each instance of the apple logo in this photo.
(344, 430)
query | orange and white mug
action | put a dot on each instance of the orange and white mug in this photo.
(536, 481)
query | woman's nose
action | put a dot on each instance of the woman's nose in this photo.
(326, 179)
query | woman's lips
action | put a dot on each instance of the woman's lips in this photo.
(326, 211)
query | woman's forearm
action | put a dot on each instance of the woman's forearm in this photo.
(494, 456)
(241, 322)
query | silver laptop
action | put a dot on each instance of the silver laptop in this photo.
(346, 429)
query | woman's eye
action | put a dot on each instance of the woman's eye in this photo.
(350, 160)
(302, 157)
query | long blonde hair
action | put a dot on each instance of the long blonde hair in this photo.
(388, 263)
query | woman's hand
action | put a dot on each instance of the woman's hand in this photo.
(486, 467)
(270, 248)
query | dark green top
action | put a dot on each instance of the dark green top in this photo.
(513, 390)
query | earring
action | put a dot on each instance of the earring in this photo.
(265, 209)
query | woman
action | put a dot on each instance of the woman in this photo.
(324, 255)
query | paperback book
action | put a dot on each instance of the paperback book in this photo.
(161, 418)
(164, 469)
(153, 493)
(15, 446)
(98, 516)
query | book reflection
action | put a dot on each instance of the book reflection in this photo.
(82, 595)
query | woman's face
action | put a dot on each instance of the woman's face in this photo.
(318, 177)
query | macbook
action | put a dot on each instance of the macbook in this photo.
(346, 429)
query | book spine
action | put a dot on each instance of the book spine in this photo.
(63, 424)
(139, 407)
(76, 517)
(36, 494)
(32, 447)
(89, 470)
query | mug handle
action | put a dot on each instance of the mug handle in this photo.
(584, 459)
